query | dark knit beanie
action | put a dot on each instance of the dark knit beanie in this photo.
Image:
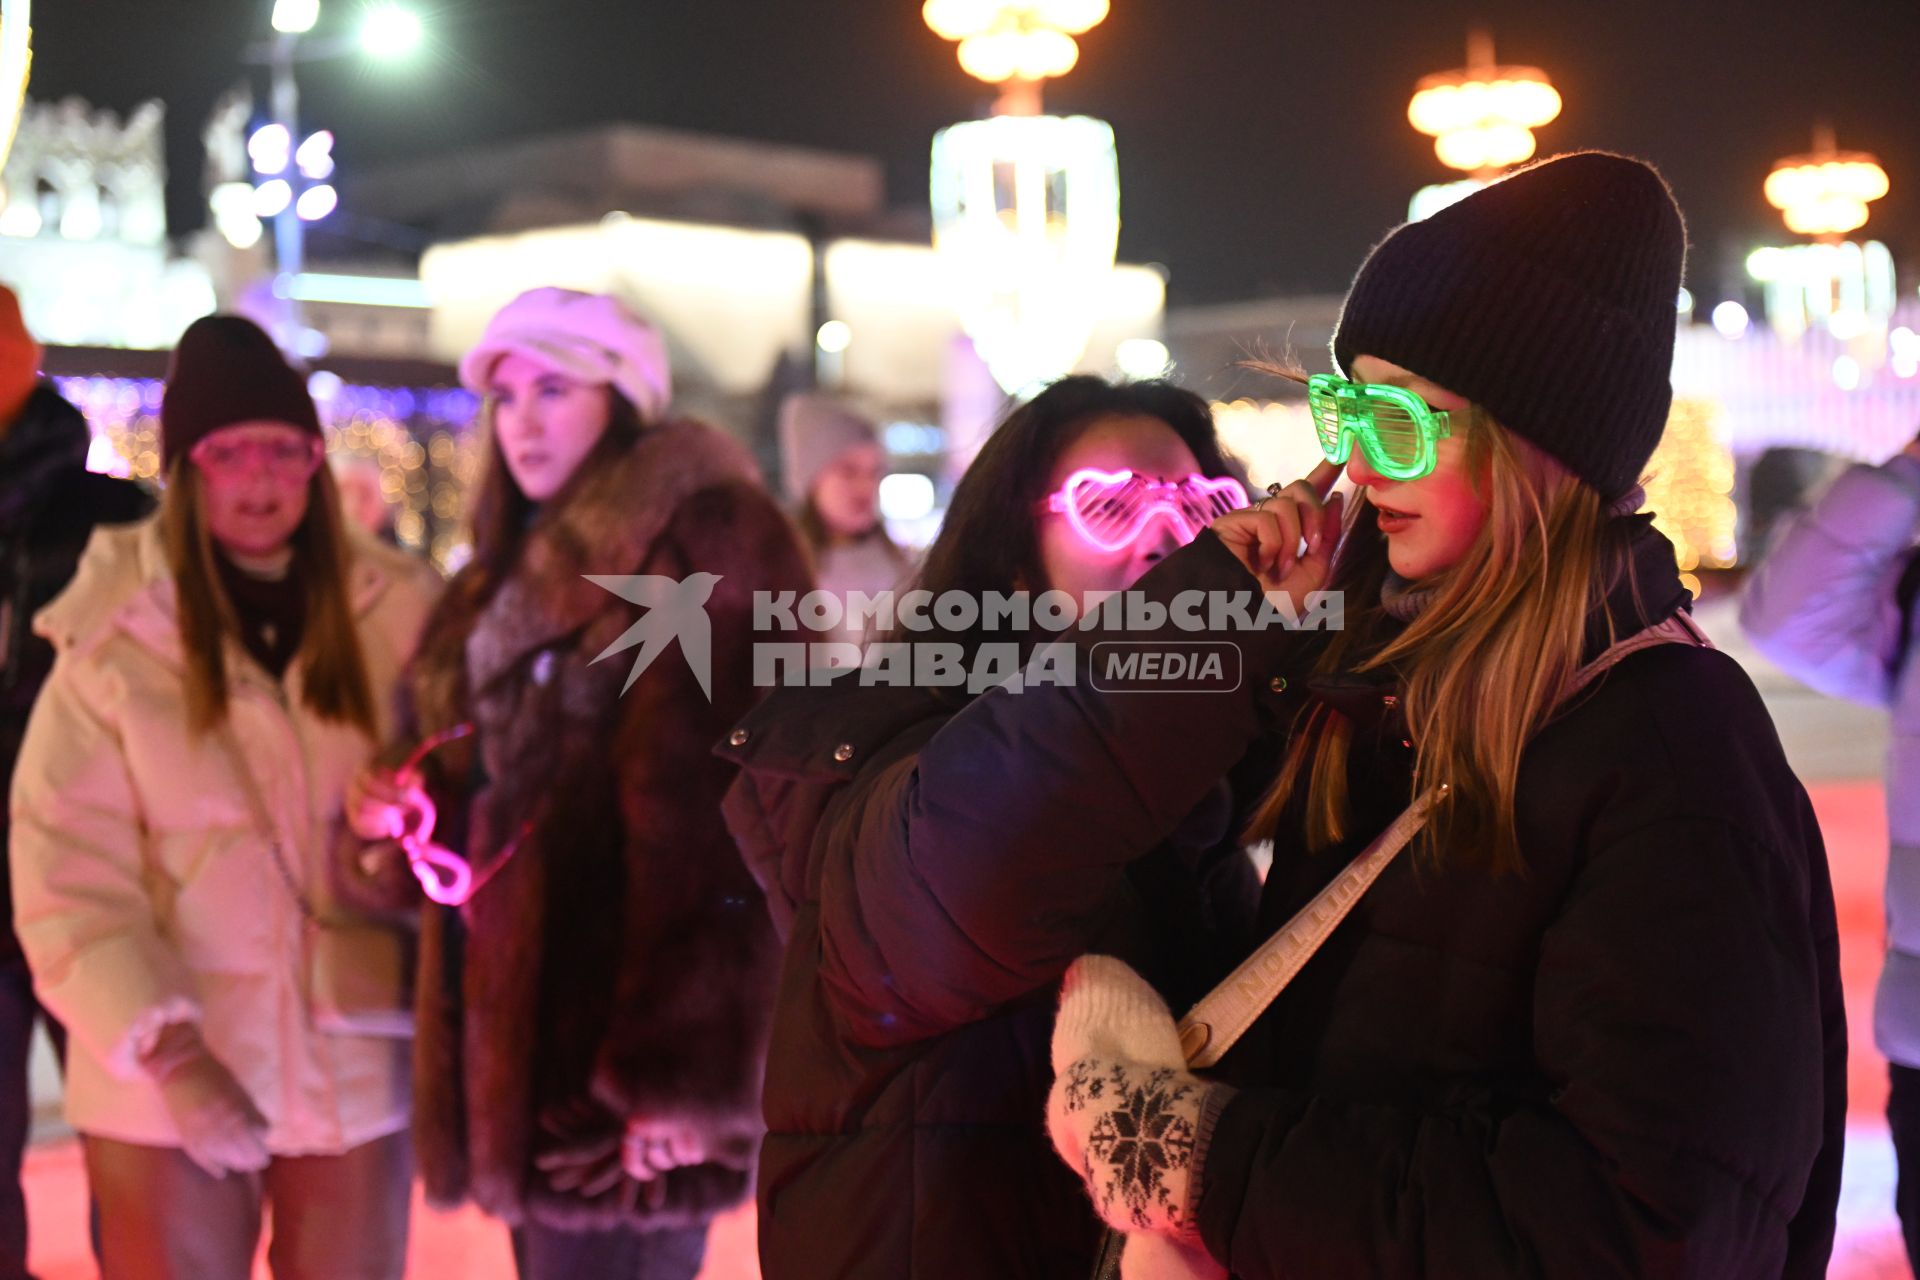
(1548, 299)
(226, 370)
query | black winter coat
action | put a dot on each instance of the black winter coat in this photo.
(1628, 1061)
(928, 917)
(49, 505)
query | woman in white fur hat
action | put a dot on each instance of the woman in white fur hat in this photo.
(593, 1001)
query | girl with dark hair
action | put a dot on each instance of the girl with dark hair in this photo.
(1590, 1023)
(907, 1071)
(597, 970)
(222, 672)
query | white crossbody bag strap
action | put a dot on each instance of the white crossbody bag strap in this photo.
(1226, 1012)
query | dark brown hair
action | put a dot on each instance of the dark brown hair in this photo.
(501, 510)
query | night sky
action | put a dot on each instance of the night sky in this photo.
(1263, 144)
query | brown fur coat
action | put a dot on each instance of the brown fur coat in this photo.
(620, 963)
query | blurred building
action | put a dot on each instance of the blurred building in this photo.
(83, 229)
(767, 266)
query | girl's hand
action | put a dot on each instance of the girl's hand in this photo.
(382, 805)
(1124, 1112)
(1267, 536)
(652, 1147)
(580, 1150)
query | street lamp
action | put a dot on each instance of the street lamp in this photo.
(388, 31)
(1847, 288)
(1026, 206)
(294, 192)
(1825, 192)
(295, 17)
(1482, 116)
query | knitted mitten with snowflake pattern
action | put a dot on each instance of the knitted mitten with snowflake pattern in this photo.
(1125, 1114)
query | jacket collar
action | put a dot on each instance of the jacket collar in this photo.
(828, 733)
(124, 583)
(606, 527)
(48, 438)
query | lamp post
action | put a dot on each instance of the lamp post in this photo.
(1026, 206)
(283, 157)
(1847, 288)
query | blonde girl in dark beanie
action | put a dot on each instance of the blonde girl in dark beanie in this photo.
(1590, 1024)
(222, 672)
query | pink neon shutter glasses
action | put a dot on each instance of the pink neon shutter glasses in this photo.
(444, 875)
(1111, 508)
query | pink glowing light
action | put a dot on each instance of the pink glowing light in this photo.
(444, 875)
(1109, 509)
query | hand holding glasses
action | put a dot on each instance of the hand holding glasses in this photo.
(396, 806)
(1267, 537)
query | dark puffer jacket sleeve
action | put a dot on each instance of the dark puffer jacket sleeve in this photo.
(976, 870)
(1686, 990)
(695, 986)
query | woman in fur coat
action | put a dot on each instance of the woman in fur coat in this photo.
(593, 1004)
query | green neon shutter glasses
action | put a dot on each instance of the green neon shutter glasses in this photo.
(1397, 430)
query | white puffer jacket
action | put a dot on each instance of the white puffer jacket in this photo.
(143, 892)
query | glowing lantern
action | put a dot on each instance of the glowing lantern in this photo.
(1015, 40)
(1026, 207)
(1026, 218)
(1482, 116)
(1825, 192)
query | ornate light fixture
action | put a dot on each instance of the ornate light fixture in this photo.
(1026, 207)
(1026, 213)
(1825, 192)
(1482, 116)
(1018, 43)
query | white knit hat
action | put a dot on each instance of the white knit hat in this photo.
(814, 431)
(589, 336)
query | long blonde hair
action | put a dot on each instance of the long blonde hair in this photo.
(1481, 668)
(334, 670)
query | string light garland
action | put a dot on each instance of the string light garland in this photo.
(1690, 490)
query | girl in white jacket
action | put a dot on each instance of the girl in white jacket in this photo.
(221, 667)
